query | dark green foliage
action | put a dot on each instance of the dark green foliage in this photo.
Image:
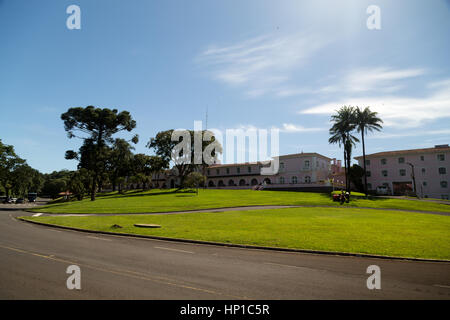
(98, 126)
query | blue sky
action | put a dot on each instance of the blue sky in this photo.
(253, 64)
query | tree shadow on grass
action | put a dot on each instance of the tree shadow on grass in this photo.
(139, 193)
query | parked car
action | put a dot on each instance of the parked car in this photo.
(20, 200)
(9, 200)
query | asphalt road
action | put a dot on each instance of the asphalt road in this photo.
(34, 259)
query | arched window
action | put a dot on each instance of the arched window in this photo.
(231, 182)
(242, 182)
(221, 184)
(267, 180)
(294, 179)
(211, 183)
(307, 179)
(254, 182)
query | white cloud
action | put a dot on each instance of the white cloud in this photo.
(415, 133)
(291, 128)
(263, 63)
(379, 79)
(397, 111)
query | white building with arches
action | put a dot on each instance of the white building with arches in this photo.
(296, 171)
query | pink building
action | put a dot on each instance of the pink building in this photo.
(296, 171)
(397, 171)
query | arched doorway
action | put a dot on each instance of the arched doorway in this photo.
(242, 182)
(211, 183)
(267, 180)
(172, 184)
(254, 182)
(230, 182)
(221, 184)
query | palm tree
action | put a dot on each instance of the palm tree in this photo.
(366, 121)
(343, 125)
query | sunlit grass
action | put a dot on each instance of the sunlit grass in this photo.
(169, 200)
(381, 232)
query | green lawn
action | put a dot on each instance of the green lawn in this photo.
(382, 232)
(167, 200)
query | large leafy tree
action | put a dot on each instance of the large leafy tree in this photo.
(24, 180)
(96, 126)
(194, 180)
(142, 168)
(341, 134)
(366, 121)
(79, 183)
(9, 162)
(164, 147)
(56, 182)
(119, 162)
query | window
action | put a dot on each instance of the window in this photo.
(423, 170)
(281, 180)
(249, 169)
(238, 170)
(281, 165)
(422, 158)
(402, 172)
(208, 172)
(368, 173)
(383, 161)
(307, 179)
(424, 183)
(306, 163)
(294, 179)
(384, 173)
(217, 171)
(401, 160)
(441, 157)
(369, 186)
(228, 170)
(444, 184)
(367, 162)
(442, 170)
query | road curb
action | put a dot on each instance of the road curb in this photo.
(232, 245)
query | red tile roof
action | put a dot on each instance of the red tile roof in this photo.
(308, 154)
(410, 151)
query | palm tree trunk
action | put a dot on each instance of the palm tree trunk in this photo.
(364, 161)
(345, 169)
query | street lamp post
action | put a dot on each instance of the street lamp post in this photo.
(413, 177)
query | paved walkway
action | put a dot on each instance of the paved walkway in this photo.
(244, 208)
(447, 202)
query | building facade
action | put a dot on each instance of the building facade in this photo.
(296, 171)
(399, 170)
(301, 172)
